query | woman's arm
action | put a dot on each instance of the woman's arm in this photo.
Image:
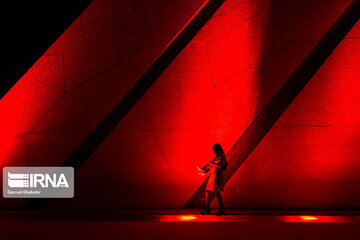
(218, 161)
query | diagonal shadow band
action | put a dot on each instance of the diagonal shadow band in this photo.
(170, 52)
(277, 105)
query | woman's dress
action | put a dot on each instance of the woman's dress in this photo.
(216, 180)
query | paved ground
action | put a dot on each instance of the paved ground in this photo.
(180, 225)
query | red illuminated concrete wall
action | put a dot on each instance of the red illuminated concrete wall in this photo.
(210, 93)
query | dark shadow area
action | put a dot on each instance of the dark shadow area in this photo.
(270, 46)
(28, 29)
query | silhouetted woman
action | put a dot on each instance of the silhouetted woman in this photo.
(216, 180)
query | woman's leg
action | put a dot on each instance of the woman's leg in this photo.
(220, 201)
(207, 203)
(207, 200)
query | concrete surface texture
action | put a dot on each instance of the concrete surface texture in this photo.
(210, 93)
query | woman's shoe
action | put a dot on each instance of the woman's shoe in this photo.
(205, 212)
(220, 212)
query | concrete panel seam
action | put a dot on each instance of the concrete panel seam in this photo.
(280, 50)
(241, 24)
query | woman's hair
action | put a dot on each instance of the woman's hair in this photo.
(218, 149)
